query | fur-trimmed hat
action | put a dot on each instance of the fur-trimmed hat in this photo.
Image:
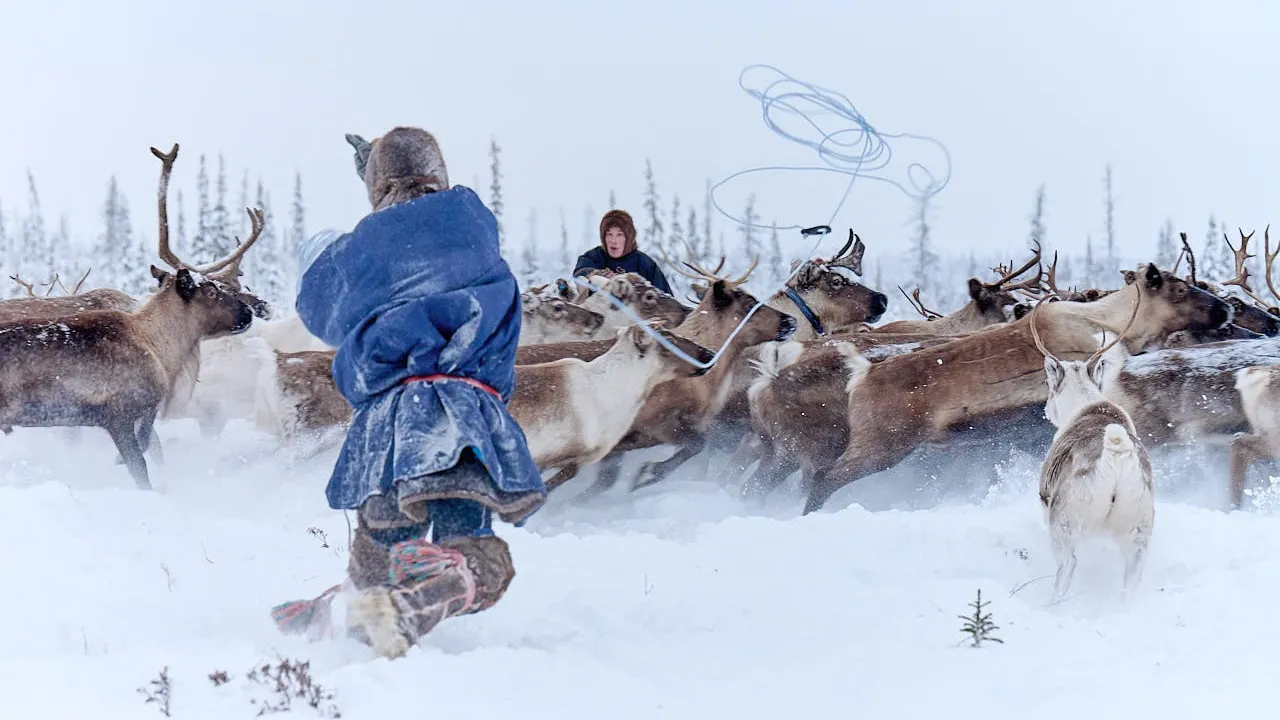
(620, 219)
(403, 164)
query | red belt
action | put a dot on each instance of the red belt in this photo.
(473, 383)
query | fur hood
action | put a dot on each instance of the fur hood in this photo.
(620, 219)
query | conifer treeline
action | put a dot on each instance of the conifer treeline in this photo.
(118, 252)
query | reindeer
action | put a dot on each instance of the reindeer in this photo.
(294, 391)
(1259, 390)
(1096, 477)
(638, 294)
(1250, 321)
(797, 404)
(558, 403)
(989, 304)
(113, 369)
(898, 405)
(681, 412)
(36, 307)
(549, 319)
(826, 300)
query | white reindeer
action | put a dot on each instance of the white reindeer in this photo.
(567, 420)
(1096, 478)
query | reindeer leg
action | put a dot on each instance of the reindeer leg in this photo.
(567, 473)
(1245, 451)
(1062, 538)
(130, 452)
(858, 462)
(653, 472)
(769, 474)
(610, 468)
(148, 439)
(1134, 546)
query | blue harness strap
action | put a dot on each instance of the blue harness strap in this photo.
(806, 311)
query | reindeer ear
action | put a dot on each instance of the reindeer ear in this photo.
(1129, 276)
(562, 287)
(720, 295)
(1152, 277)
(159, 275)
(975, 288)
(186, 284)
(1096, 371)
(363, 148)
(855, 257)
(642, 339)
(1053, 373)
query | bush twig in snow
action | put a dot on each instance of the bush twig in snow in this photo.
(159, 692)
(317, 532)
(978, 626)
(289, 680)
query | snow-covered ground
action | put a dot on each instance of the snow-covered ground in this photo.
(676, 602)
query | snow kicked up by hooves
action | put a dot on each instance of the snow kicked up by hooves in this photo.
(679, 601)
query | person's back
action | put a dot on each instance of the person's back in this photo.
(426, 317)
(618, 252)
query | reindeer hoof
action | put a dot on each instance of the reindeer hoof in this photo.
(646, 477)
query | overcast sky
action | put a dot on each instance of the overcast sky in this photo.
(1177, 96)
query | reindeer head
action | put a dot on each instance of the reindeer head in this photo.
(640, 295)
(997, 302)
(634, 339)
(1073, 384)
(1258, 316)
(1172, 304)
(212, 291)
(830, 288)
(725, 304)
(549, 316)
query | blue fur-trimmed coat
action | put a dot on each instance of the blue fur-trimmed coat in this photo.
(417, 289)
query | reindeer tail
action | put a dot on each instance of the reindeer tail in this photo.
(855, 363)
(1115, 438)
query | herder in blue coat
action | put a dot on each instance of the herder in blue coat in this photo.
(618, 252)
(425, 314)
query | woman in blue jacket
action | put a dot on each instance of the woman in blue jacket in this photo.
(426, 315)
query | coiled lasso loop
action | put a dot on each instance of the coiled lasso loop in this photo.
(850, 145)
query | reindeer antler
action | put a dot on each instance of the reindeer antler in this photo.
(29, 287)
(918, 305)
(1270, 259)
(847, 258)
(76, 290)
(56, 281)
(1190, 255)
(1241, 279)
(230, 265)
(1035, 335)
(1027, 285)
(1093, 359)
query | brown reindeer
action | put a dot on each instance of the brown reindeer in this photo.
(34, 306)
(826, 300)
(798, 405)
(113, 369)
(989, 304)
(296, 394)
(898, 405)
(566, 419)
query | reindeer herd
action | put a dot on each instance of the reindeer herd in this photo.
(804, 381)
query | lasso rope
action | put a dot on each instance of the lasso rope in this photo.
(856, 149)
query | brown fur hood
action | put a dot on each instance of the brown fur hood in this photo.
(620, 219)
